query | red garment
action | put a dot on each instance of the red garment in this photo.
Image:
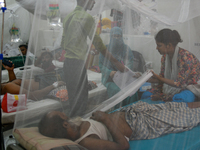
(62, 57)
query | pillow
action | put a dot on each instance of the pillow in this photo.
(31, 139)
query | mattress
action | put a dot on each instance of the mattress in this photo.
(35, 107)
(188, 140)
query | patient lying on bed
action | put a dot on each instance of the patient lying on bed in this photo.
(110, 131)
(35, 93)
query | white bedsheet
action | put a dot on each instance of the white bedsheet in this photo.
(96, 77)
(30, 72)
(35, 107)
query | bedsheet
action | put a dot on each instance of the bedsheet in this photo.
(30, 70)
(188, 140)
(96, 77)
(34, 106)
(32, 109)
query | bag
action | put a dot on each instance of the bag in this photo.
(91, 85)
(10, 102)
(59, 93)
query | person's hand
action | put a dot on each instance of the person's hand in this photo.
(99, 116)
(9, 68)
(112, 74)
(93, 51)
(137, 75)
(155, 97)
(153, 80)
(156, 76)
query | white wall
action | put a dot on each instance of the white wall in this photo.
(23, 22)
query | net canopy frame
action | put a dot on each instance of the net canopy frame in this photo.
(140, 22)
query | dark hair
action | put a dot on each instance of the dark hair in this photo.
(23, 45)
(45, 53)
(167, 36)
(52, 126)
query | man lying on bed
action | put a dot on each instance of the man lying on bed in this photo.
(137, 121)
(35, 92)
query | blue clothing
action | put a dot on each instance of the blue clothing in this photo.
(119, 50)
(146, 95)
(123, 54)
(184, 96)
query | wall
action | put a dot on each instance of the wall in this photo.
(23, 22)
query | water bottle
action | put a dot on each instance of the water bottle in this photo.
(11, 140)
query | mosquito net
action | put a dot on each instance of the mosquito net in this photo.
(97, 56)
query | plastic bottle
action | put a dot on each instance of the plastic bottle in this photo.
(53, 13)
(11, 140)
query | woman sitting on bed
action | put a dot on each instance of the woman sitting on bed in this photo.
(35, 93)
(123, 54)
(179, 68)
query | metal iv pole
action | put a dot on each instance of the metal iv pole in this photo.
(1, 58)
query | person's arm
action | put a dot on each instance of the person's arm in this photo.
(119, 141)
(164, 80)
(194, 105)
(153, 80)
(11, 73)
(188, 69)
(39, 94)
(106, 72)
(98, 43)
(130, 58)
(113, 60)
(160, 78)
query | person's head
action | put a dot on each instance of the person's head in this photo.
(47, 58)
(116, 37)
(167, 40)
(23, 48)
(56, 124)
(86, 4)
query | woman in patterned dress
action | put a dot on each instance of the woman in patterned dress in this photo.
(179, 68)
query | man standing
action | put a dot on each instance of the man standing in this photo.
(79, 25)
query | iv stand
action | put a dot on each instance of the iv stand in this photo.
(1, 58)
(1, 54)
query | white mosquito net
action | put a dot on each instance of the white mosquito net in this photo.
(73, 62)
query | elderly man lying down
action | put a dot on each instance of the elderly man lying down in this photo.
(112, 131)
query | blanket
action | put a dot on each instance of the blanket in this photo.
(151, 121)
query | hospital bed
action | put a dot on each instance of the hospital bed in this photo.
(188, 140)
(34, 106)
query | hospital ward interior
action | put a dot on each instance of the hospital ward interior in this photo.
(100, 74)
